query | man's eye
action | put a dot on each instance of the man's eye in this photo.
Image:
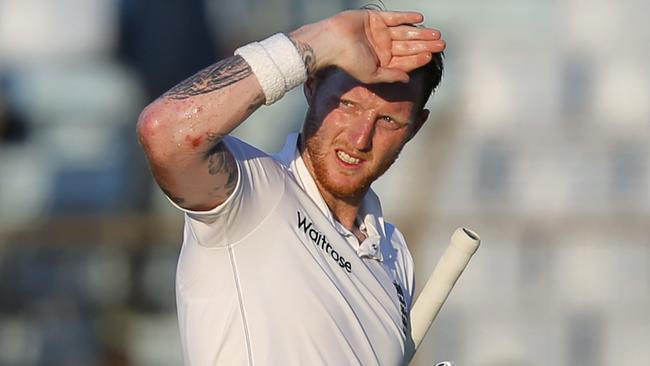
(345, 103)
(389, 122)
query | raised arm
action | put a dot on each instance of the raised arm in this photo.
(182, 131)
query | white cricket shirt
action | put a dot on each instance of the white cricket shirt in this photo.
(270, 278)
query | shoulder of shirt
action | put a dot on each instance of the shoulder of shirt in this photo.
(243, 151)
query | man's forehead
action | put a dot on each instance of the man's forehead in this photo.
(342, 83)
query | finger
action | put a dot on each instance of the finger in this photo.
(381, 41)
(389, 75)
(410, 33)
(410, 63)
(395, 18)
(406, 48)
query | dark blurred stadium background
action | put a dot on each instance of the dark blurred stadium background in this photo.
(538, 140)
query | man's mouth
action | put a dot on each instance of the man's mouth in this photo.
(347, 158)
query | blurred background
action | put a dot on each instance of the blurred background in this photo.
(537, 141)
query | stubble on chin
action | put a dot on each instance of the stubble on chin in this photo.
(324, 177)
(316, 151)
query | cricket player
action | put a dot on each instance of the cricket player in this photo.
(287, 258)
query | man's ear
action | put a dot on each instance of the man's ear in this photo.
(308, 88)
(418, 122)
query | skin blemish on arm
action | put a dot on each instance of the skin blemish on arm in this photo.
(194, 141)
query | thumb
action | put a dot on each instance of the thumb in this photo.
(389, 75)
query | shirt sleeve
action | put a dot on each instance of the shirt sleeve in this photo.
(260, 185)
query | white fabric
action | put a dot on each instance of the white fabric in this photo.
(287, 59)
(270, 278)
(267, 73)
(277, 65)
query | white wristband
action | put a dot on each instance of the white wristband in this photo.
(287, 58)
(277, 65)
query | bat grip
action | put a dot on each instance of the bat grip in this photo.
(462, 246)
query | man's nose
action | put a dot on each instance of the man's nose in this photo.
(362, 131)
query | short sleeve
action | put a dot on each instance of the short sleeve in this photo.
(260, 185)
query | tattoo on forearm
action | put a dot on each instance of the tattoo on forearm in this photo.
(222, 163)
(220, 75)
(307, 54)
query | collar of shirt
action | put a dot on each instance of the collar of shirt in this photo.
(370, 214)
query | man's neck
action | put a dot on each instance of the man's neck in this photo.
(344, 210)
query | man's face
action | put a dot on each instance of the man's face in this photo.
(354, 131)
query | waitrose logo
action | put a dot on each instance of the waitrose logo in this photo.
(321, 242)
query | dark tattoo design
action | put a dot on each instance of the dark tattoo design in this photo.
(222, 163)
(216, 162)
(307, 54)
(220, 75)
(178, 200)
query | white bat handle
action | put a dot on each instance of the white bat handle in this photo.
(462, 246)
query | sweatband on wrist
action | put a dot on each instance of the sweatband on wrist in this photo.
(277, 65)
(287, 58)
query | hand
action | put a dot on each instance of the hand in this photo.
(373, 46)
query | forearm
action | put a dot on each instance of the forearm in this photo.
(194, 115)
(181, 132)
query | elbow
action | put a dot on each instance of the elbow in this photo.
(168, 136)
(147, 125)
(150, 131)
